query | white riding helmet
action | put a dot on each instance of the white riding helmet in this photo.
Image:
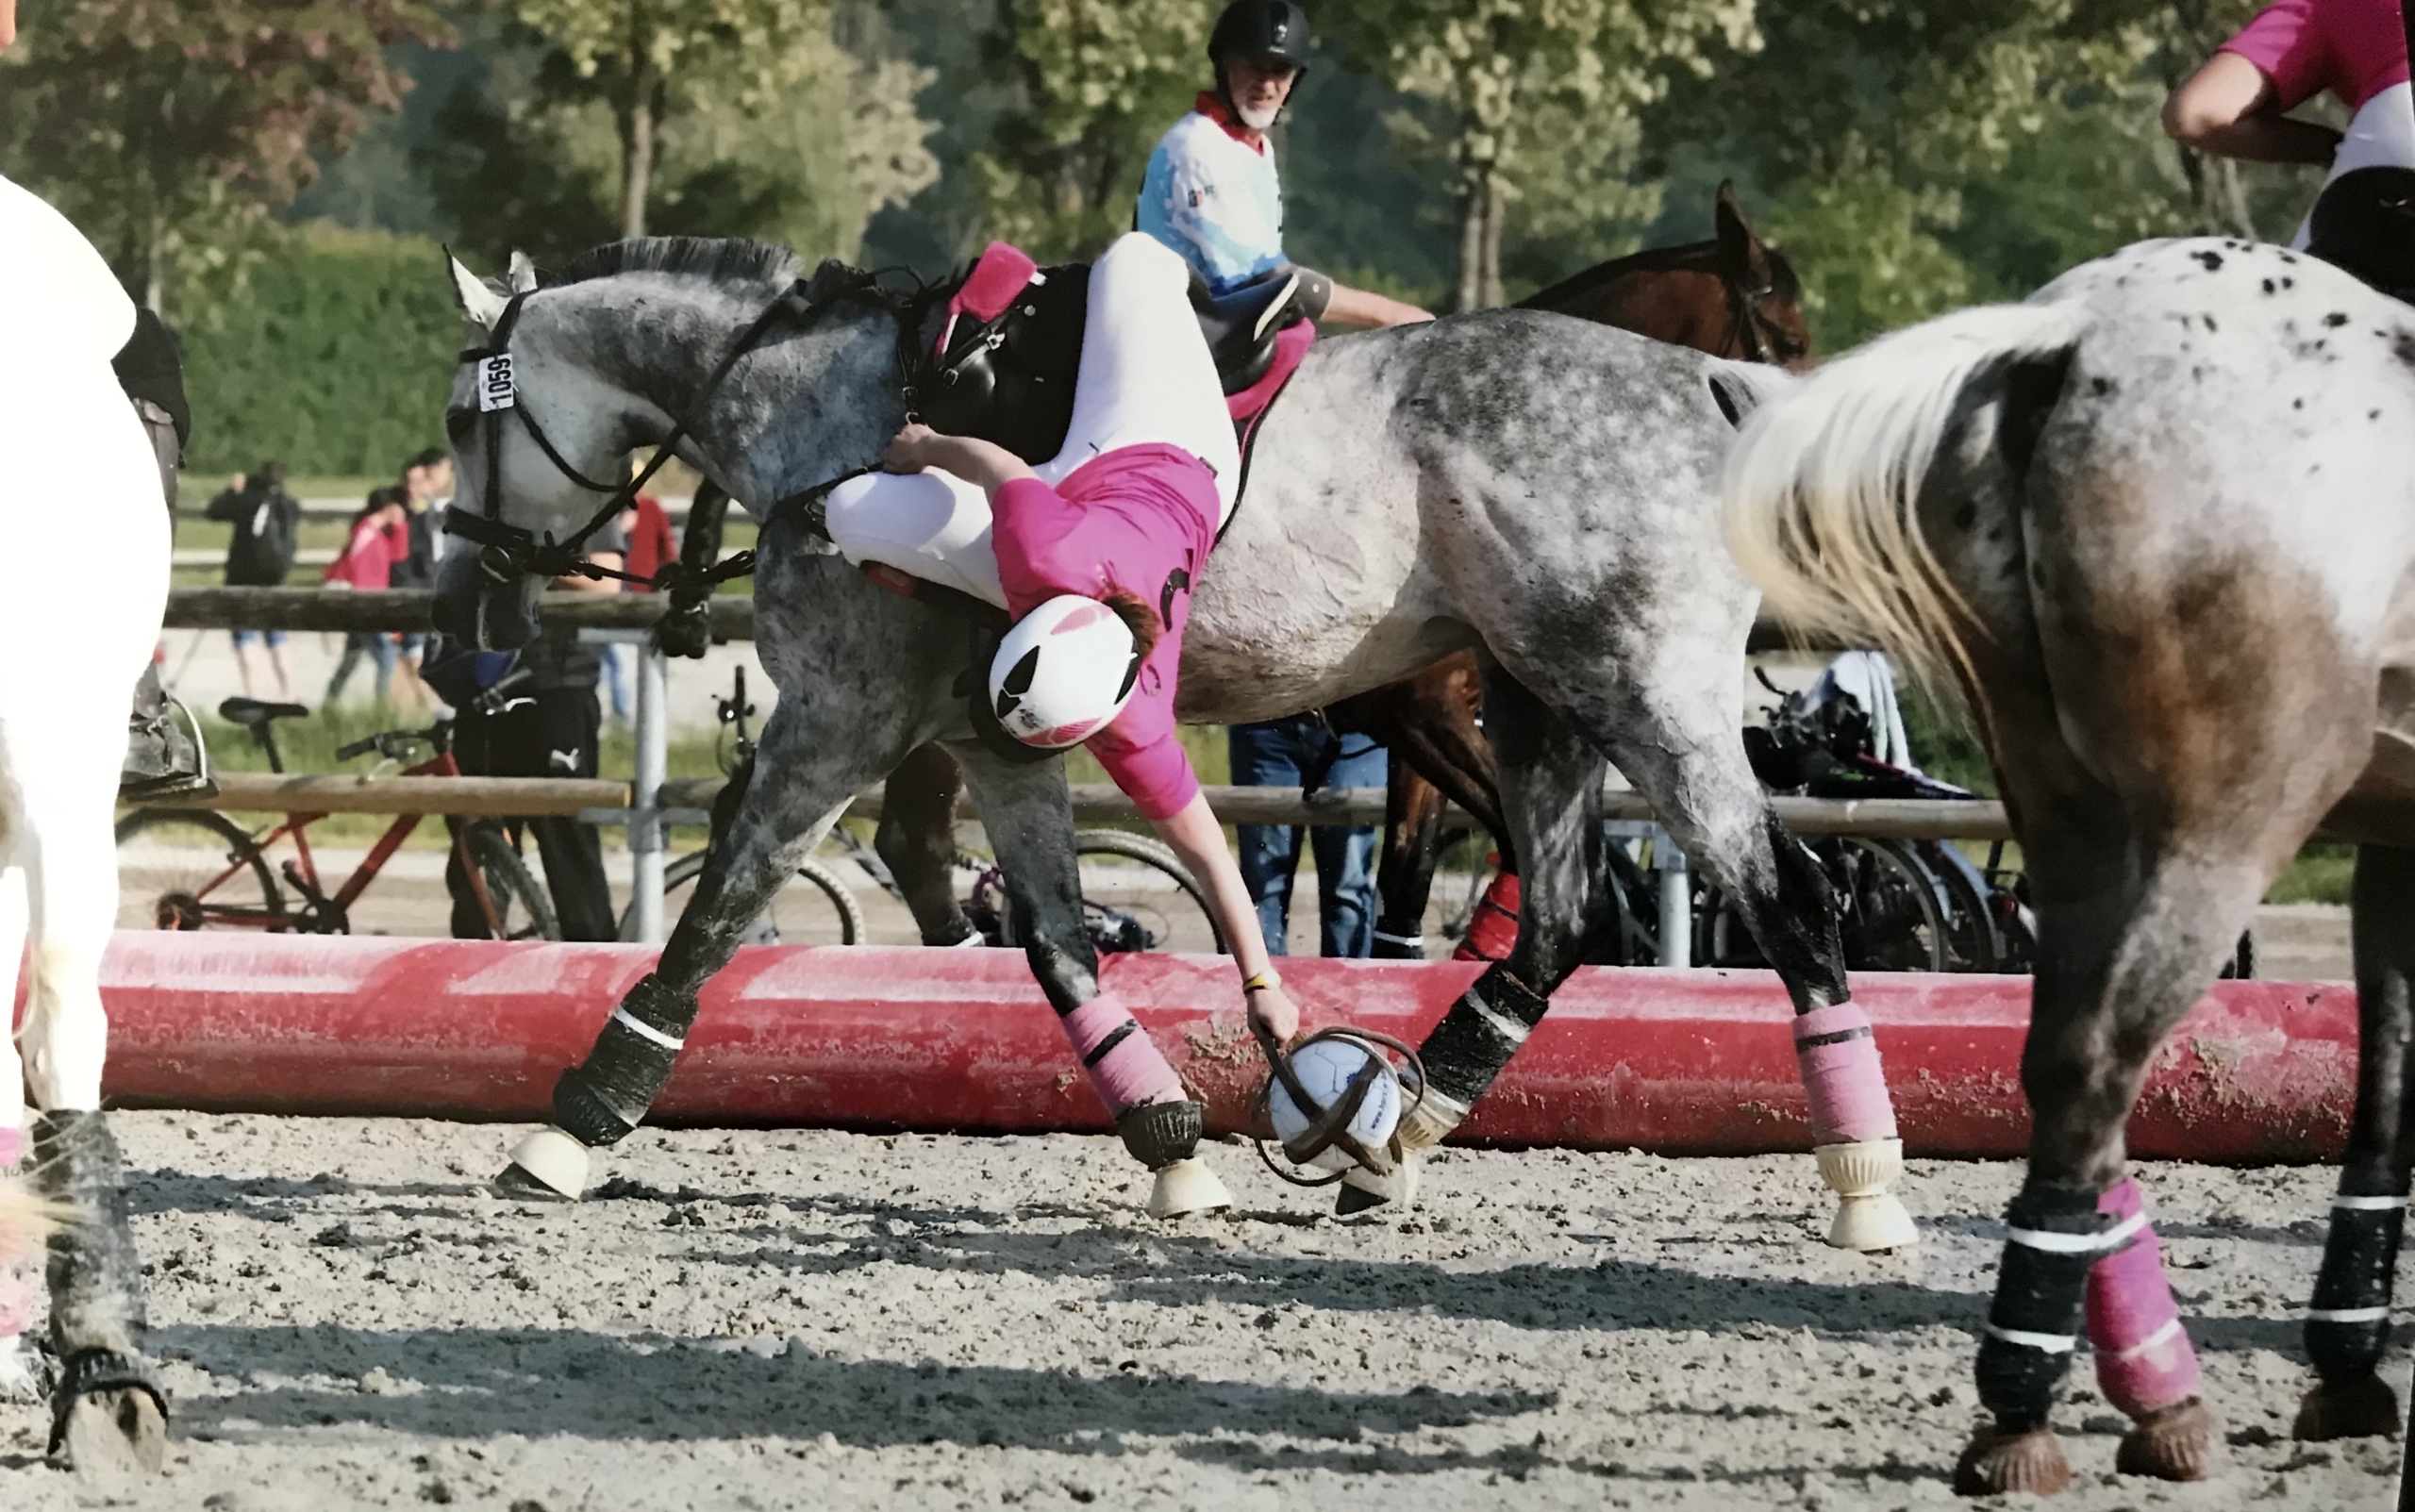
(1064, 673)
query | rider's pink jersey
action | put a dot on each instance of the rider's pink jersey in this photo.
(2354, 48)
(1141, 519)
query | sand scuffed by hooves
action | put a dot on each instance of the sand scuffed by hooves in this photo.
(796, 1318)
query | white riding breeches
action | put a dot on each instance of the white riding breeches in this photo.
(1146, 377)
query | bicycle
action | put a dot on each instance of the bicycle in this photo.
(233, 887)
(1135, 923)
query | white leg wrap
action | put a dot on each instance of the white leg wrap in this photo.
(1185, 1188)
(1869, 1217)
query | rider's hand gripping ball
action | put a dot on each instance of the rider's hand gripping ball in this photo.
(1336, 1101)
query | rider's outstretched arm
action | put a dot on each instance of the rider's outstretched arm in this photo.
(1199, 840)
(2228, 107)
(985, 466)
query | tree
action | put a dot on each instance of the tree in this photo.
(169, 129)
(1099, 82)
(1535, 91)
(651, 60)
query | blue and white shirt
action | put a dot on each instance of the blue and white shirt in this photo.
(1214, 195)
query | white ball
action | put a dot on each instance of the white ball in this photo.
(1325, 1070)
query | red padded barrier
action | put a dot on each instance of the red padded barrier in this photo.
(1679, 1062)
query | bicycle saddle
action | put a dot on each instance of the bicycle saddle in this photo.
(251, 713)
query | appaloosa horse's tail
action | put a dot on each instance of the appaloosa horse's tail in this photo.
(1823, 491)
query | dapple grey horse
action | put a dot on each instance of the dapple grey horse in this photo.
(2159, 523)
(1540, 489)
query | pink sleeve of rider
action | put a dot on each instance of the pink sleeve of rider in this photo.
(1156, 776)
(2287, 42)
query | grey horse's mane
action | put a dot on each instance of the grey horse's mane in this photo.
(713, 260)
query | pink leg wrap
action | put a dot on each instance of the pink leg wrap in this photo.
(20, 1279)
(2143, 1360)
(1122, 1062)
(1838, 1058)
(1494, 928)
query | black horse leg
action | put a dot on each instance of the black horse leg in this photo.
(917, 839)
(813, 759)
(1029, 819)
(1404, 879)
(2349, 1322)
(1551, 782)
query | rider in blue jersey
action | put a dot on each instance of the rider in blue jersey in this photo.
(1212, 193)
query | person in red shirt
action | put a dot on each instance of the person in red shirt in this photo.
(380, 539)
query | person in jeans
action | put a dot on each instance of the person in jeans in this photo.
(1296, 751)
(265, 520)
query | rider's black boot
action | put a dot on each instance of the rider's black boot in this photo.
(163, 753)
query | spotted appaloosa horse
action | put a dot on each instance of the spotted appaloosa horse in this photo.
(1732, 296)
(2160, 525)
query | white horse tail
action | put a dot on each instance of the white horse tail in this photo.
(1824, 485)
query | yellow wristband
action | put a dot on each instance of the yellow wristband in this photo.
(1261, 981)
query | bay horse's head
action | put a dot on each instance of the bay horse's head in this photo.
(1732, 296)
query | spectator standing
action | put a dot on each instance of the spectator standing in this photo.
(265, 522)
(550, 728)
(652, 546)
(380, 536)
(428, 483)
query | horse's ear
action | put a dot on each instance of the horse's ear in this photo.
(1740, 251)
(523, 279)
(480, 303)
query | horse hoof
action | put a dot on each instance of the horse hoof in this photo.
(1997, 1461)
(1363, 1191)
(1185, 1188)
(2363, 1408)
(1869, 1217)
(549, 1164)
(119, 1431)
(2175, 1443)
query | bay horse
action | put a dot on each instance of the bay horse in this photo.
(1540, 487)
(2158, 525)
(1732, 296)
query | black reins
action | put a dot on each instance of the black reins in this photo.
(508, 550)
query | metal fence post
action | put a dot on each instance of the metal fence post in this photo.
(645, 797)
(1677, 902)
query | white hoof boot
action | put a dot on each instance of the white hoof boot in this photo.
(1869, 1217)
(1185, 1188)
(19, 1374)
(550, 1159)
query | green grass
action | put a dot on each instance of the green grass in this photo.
(2321, 874)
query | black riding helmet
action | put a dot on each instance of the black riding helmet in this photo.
(1275, 29)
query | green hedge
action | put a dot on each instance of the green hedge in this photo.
(337, 359)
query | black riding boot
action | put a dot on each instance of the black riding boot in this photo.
(163, 753)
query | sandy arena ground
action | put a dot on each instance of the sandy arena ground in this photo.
(819, 1320)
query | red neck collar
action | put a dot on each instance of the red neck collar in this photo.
(1212, 106)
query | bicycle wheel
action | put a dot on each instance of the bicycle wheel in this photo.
(1893, 918)
(822, 911)
(1972, 942)
(190, 868)
(1151, 903)
(520, 906)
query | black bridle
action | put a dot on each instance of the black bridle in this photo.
(1743, 310)
(508, 551)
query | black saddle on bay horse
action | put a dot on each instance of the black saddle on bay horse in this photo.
(1010, 380)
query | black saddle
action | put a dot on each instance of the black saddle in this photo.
(1011, 381)
(2365, 223)
(251, 713)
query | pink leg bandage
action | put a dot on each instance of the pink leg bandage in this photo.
(1838, 1058)
(12, 1147)
(1122, 1062)
(1494, 928)
(20, 1278)
(2143, 1360)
